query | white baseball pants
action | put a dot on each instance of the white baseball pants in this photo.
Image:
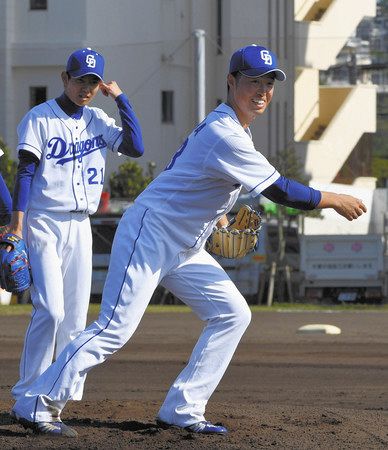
(143, 255)
(60, 252)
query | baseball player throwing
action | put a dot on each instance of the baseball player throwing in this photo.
(62, 150)
(160, 240)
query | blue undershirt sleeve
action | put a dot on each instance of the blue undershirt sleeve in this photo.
(5, 203)
(28, 164)
(132, 144)
(292, 193)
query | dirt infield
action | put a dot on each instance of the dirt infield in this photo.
(282, 390)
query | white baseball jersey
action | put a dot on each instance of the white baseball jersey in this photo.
(204, 178)
(72, 155)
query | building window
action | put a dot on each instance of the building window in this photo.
(167, 106)
(219, 27)
(38, 4)
(38, 95)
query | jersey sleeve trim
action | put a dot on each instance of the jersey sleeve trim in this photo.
(116, 144)
(259, 188)
(30, 148)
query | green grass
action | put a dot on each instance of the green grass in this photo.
(14, 310)
(311, 307)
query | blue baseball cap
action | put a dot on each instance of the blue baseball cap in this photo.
(255, 61)
(85, 61)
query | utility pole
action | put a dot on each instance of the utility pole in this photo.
(199, 65)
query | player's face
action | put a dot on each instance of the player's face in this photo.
(82, 90)
(249, 97)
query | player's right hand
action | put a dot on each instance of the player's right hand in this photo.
(345, 205)
(350, 207)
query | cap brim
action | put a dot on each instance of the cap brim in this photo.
(253, 73)
(79, 75)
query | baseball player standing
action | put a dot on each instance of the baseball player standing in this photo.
(62, 150)
(160, 240)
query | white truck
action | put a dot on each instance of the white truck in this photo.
(343, 267)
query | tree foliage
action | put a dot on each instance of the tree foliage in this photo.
(380, 170)
(129, 181)
(384, 6)
(8, 166)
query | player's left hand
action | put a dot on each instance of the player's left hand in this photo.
(111, 88)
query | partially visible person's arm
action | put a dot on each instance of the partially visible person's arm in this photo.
(5, 203)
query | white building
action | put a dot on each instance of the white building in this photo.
(149, 50)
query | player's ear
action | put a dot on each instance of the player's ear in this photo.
(65, 78)
(231, 80)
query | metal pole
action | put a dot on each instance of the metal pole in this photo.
(271, 283)
(287, 275)
(199, 65)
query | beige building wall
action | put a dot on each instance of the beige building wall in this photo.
(149, 47)
(329, 121)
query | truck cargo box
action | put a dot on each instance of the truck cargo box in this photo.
(343, 267)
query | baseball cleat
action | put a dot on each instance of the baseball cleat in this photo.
(203, 427)
(46, 428)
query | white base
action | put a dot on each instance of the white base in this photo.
(318, 328)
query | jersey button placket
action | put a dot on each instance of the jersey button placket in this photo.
(77, 181)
